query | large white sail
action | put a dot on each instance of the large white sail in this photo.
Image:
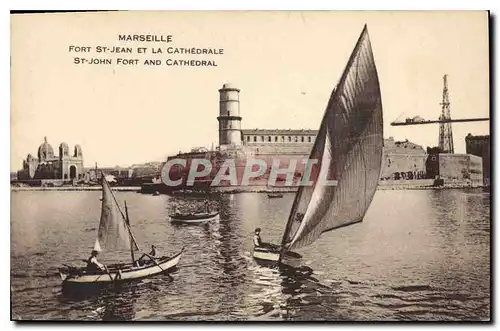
(113, 231)
(348, 149)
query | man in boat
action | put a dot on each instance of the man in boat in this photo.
(151, 254)
(93, 264)
(153, 251)
(257, 241)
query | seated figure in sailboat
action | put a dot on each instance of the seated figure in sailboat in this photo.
(93, 264)
(153, 251)
(151, 254)
(257, 241)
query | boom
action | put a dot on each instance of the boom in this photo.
(416, 122)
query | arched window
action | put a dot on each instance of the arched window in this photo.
(269, 138)
(276, 139)
(309, 138)
(255, 138)
(302, 138)
(289, 138)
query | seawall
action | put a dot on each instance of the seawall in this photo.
(75, 188)
(421, 184)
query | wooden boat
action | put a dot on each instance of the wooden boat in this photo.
(348, 148)
(194, 217)
(115, 233)
(274, 195)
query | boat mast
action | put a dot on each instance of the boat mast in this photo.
(123, 216)
(132, 239)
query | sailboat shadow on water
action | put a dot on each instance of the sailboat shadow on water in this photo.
(347, 159)
(114, 233)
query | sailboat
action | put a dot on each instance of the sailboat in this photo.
(115, 233)
(348, 150)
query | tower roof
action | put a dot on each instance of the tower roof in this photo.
(229, 87)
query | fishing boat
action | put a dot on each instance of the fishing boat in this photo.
(348, 150)
(274, 195)
(115, 233)
(202, 217)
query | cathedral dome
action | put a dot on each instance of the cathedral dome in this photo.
(45, 151)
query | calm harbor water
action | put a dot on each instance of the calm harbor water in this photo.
(418, 255)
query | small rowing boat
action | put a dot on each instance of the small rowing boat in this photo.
(194, 217)
(115, 233)
(274, 195)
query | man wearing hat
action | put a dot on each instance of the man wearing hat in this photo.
(257, 242)
(93, 264)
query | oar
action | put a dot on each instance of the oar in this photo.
(109, 274)
(154, 261)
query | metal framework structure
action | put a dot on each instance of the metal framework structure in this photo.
(445, 143)
(445, 133)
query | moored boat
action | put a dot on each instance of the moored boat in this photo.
(115, 233)
(274, 195)
(119, 273)
(194, 217)
(348, 151)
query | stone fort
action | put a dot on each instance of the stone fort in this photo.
(401, 159)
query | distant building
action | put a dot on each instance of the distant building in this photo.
(455, 168)
(48, 166)
(120, 174)
(403, 160)
(480, 146)
(461, 168)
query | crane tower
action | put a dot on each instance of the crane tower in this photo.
(445, 132)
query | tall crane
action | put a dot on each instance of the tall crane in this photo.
(445, 132)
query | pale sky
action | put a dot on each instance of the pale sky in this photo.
(285, 63)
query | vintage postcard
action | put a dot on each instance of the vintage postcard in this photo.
(250, 166)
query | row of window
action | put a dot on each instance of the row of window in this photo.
(280, 139)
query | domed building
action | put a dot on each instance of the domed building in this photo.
(65, 166)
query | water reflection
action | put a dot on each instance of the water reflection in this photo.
(425, 257)
(120, 305)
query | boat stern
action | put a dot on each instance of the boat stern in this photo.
(263, 254)
(63, 275)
